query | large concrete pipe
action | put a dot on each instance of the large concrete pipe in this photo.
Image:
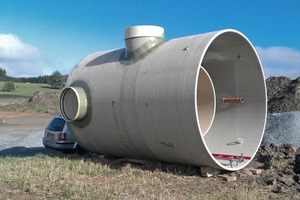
(198, 100)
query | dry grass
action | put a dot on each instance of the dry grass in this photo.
(93, 177)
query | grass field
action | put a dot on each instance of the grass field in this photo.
(93, 177)
(15, 99)
(25, 90)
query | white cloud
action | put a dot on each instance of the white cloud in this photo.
(280, 61)
(18, 58)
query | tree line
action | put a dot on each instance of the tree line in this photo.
(56, 80)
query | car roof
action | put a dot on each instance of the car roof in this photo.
(58, 116)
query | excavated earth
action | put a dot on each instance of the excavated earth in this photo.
(283, 94)
(279, 163)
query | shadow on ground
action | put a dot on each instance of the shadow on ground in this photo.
(21, 151)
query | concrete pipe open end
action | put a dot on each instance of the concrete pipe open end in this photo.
(231, 133)
(73, 104)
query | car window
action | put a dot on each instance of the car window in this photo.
(57, 124)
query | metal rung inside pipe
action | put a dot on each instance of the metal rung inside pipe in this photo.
(232, 100)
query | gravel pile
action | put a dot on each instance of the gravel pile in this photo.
(283, 128)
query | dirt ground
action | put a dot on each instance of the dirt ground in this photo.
(279, 166)
(20, 119)
(16, 124)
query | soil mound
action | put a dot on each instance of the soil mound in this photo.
(283, 94)
(281, 170)
(47, 102)
(44, 99)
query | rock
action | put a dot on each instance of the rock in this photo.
(286, 180)
(288, 148)
(208, 171)
(279, 189)
(297, 178)
(228, 178)
(297, 168)
(256, 171)
(271, 181)
(280, 174)
(289, 172)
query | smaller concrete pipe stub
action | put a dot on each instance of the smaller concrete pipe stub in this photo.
(141, 39)
(73, 103)
(144, 31)
(198, 100)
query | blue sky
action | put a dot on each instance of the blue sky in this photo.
(38, 37)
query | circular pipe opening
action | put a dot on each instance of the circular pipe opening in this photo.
(73, 104)
(143, 31)
(206, 101)
(238, 125)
